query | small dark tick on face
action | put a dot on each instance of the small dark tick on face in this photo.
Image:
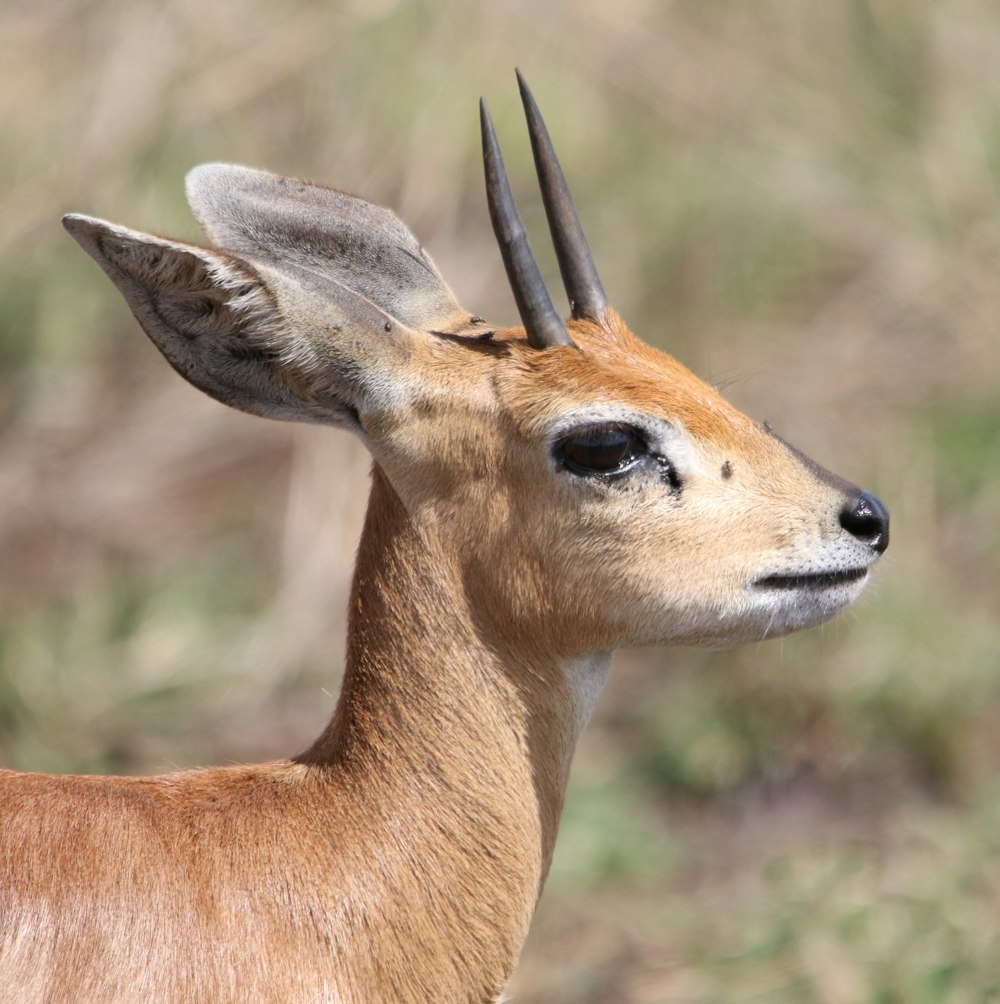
(727, 470)
(388, 325)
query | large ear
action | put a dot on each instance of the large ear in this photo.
(363, 247)
(291, 344)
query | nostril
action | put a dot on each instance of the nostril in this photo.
(866, 518)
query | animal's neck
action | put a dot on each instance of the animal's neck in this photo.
(459, 740)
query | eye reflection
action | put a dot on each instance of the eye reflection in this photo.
(600, 449)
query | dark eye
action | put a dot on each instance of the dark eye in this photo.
(600, 449)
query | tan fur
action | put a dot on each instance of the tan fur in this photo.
(400, 857)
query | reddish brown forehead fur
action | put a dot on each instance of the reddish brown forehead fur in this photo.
(610, 365)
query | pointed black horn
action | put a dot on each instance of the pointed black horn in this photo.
(579, 274)
(544, 326)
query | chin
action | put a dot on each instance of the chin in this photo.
(769, 608)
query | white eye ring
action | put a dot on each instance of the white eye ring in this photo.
(664, 441)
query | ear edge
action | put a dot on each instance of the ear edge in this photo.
(212, 316)
(292, 222)
(144, 267)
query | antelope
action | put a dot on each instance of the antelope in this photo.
(540, 496)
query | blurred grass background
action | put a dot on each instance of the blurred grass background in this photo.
(799, 200)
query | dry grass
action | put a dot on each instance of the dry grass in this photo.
(799, 200)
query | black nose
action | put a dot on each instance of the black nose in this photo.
(864, 517)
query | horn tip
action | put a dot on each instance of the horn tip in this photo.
(491, 149)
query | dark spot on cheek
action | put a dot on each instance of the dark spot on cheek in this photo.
(727, 470)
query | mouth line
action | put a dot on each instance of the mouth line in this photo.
(818, 580)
